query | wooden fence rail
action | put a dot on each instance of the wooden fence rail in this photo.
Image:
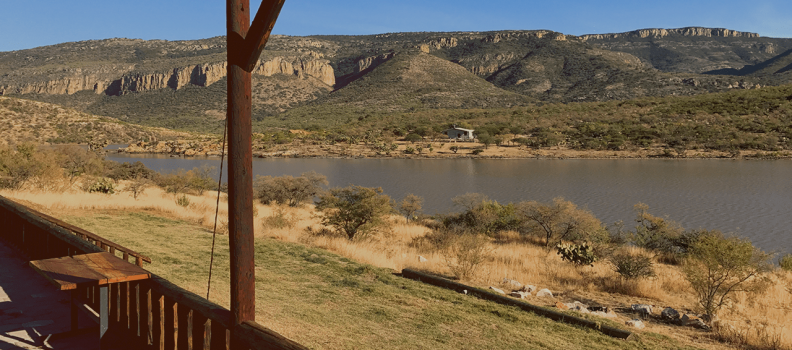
(149, 314)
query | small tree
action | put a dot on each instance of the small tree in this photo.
(288, 190)
(717, 267)
(561, 220)
(486, 139)
(413, 138)
(410, 205)
(465, 253)
(354, 210)
(138, 186)
(630, 266)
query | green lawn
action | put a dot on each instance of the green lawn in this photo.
(326, 301)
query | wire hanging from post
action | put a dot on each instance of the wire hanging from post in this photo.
(217, 207)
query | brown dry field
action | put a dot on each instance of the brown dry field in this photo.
(761, 321)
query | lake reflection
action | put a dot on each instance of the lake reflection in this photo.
(750, 198)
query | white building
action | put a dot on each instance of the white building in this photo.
(459, 134)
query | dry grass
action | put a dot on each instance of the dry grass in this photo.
(761, 321)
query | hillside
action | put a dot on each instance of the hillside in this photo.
(418, 80)
(692, 49)
(37, 122)
(181, 84)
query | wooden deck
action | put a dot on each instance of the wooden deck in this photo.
(31, 309)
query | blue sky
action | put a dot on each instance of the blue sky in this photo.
(31, 23)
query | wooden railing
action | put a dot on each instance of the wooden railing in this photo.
(149, 314)
(95, 239)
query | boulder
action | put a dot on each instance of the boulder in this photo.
(544, 293)
(512, 284)
(528, 288)
(692, 321)
(519, 295)
(642, 309)
(606, 314)
(669, 314)
(578, 306)
(604, 309)
(422, 259)
(636, 323)
(496, 290)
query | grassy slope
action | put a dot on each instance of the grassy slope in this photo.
(326, 301)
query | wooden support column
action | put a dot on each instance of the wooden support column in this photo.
(240, 162)
(244, 48)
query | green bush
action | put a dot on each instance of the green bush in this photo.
(477, 151)
(578, 254)
(718, 267)
(280, 220)
(786, 262)
(183, 200)
(288, 190)
(631, 266)
(354, 210)
(102, 185)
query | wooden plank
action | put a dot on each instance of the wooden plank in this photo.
(259, 32)
(161, 314)
(135, 315)
(190, 329)
(207, 335)
(191, 300)
(102, 268)
(251, 335)
(150, 321)
(112, 268)
(82, 232)
(175, 312)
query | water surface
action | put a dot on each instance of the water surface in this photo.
(749, 198)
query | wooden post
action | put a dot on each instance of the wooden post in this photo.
(243, 54)
(240, 163)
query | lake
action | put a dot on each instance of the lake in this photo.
(748, 198)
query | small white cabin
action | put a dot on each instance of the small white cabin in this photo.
(456, 133)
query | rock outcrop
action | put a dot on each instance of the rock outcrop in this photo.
(660, 33)
(103, 81)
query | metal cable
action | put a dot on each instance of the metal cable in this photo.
(217, 207)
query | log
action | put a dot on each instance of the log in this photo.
(541, 311)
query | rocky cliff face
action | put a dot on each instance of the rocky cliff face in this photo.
(101, 81)
(661, 33)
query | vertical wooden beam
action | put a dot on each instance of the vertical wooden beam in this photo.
(240, 164)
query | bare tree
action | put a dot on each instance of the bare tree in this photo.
(410, 205)
(560, 220)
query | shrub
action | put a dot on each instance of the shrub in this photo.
(477, 151)
(410, 206)
(718, 267)
(786, 262)
(578, 254)
(138, 186)
(354, 210)
(454, 149)
(102, 185)
(631, 266)
(288, 190)
(464, 253)
(559, 221)
(183, 200)
(413, 138)
(409, 150)
(280, 220)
